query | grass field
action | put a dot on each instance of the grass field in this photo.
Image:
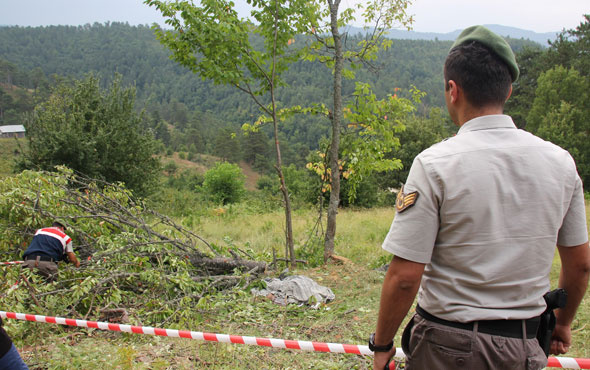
(348, 319)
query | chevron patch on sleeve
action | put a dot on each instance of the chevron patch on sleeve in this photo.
(405, 201)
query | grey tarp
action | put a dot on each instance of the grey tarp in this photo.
(296, 289)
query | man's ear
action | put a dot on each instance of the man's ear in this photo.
(453, 91)
(509, 93)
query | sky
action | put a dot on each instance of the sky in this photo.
(429, 15)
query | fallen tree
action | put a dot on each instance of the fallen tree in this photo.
(133, 259)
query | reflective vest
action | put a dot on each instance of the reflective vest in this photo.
(49, 241)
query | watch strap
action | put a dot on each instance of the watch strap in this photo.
(375, 348)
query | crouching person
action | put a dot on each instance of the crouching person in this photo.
(49, 246)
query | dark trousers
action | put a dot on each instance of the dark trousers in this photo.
(12, 360)
(9, 356)
(47, 269)
(436, 346)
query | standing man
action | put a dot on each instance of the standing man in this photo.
(476, 228)
(49, 246)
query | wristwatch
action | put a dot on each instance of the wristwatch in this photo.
(374, 348)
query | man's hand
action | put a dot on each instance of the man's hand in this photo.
(399, 289)
(561, 340)
(574, 276)
(72, 258)
(381, 359)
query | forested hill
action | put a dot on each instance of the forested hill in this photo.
(202, 115)
(134, 52)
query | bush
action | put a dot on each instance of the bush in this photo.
(268, 184)
(366, 193)
(303, 184)
(170, 168)
(185, 180)
(224, 183)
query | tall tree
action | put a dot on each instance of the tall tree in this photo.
(256, 149)
(531, 65)
(226, 145)
(553, 93)
(95, 132)
(571, 49)
(330, 40)
(560, 114)
(213, 41)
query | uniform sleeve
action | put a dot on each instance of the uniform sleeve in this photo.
(69, 245)
(574, 229)
(414, 230)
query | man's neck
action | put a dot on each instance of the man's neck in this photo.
(470, 113)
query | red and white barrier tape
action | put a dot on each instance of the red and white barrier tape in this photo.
(222, 338)
(559, 362)
(569, 362)
(12, 263)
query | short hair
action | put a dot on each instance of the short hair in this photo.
(481, 73)
(58, 224)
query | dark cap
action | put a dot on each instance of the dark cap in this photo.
(494, 42)
(58, 224)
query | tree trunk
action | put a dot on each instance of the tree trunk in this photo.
(335, 145)
(288, 221)
(289, 245)
(221, 266)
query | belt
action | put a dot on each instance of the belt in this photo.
(504, 328)
(42, 257)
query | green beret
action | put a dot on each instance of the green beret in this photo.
(492, 41)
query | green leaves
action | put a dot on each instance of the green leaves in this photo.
(94, 132)
(379, 15)
(560, 113)
(372, 133)
(213, 41)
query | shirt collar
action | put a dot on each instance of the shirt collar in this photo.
(489, 122)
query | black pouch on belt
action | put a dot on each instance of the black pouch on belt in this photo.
(555, 299)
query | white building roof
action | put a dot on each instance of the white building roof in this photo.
(11, 129)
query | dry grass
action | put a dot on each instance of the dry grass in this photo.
(358, 238)
(185, 164)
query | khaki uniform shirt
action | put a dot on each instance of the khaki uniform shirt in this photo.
(491, 204)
